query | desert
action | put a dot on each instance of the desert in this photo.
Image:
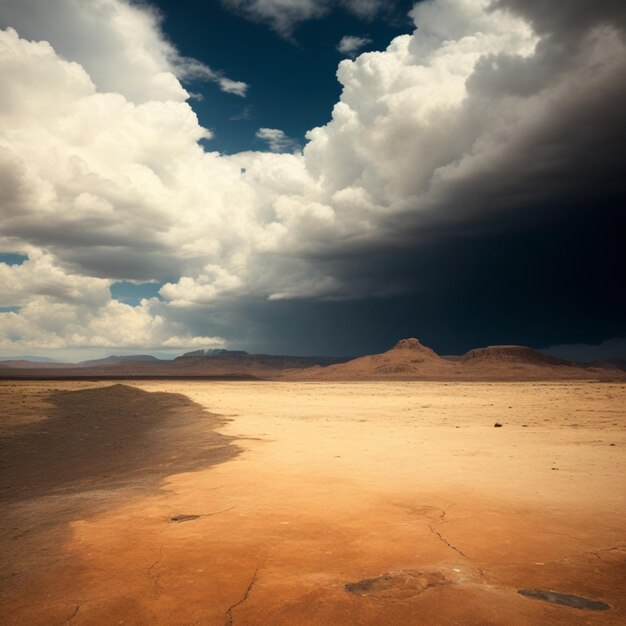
(275, 502)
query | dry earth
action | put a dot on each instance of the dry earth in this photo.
(316, 503)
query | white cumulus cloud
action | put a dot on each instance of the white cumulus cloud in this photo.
(119, 43)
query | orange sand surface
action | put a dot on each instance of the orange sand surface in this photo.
(408, 484)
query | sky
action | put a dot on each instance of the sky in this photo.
(311, 177)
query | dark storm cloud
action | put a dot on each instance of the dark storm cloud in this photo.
(560, 283)
(613, 349)
(545, 136)
(525, 242)
(118, 263)
(568, 19)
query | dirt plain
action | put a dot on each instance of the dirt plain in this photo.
(312, 503)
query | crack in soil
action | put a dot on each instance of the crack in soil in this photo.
(74, 614)
(155, 578)
(441, 520)
(597, 553)
(228, 621)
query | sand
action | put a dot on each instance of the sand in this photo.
(323, 503)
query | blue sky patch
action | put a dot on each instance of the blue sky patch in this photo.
(13, 258)
(292, 82)
(132, 294)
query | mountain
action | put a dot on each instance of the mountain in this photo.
(198, 364)
(212, 353)
(411, 360)
(236, 361)
(407, 360)
(29, 363)
(115, 360)
(40, 361)
(512, 354)
(619, 364)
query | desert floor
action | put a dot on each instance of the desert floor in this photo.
(311, 503)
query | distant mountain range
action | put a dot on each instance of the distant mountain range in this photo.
(407, 360)
(213, 353)
(616, 363)
(116, 360)
(36, 359)
(197, 364)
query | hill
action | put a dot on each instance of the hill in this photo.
(212, 353)
(198, 364)
(408, 359)
(411, 360)
(619, 364)
(26, 364)
(28, 358)
(115, 360)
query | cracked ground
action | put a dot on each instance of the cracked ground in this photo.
(290, 503)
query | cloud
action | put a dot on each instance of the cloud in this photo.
(480, 121)
(276, 139)
(194, 70)
(46, 323)
(285, 15)
(247, 113)
(365, 9)
(350, 45)
(567, 23)
(120, 44)
(188, 341)
(614, 348)
(281, 15)
(60, 310)
(39, 277)
(237, 87)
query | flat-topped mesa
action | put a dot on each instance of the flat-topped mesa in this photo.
(414, 345)
(512, 354)
(212, 353)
